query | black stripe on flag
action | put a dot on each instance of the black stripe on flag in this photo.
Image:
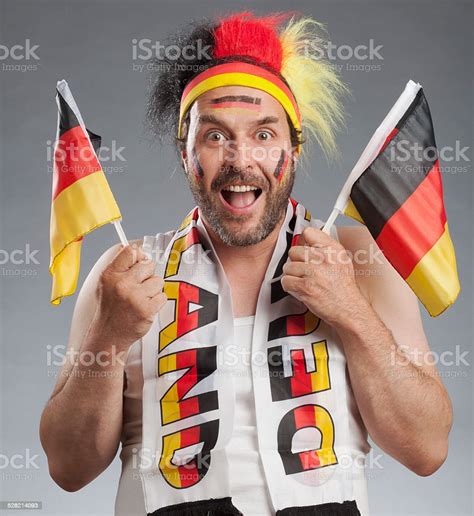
(387, 183)
(67, 118)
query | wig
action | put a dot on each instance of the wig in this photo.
(288, 46)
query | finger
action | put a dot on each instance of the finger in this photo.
(292, 284)
(297, 269)
(157, 302)
(315, 237)
(305, 253)
(142, 270)
(152, 286)
(126, 258)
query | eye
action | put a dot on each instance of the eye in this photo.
(215, 136)
(264, 136)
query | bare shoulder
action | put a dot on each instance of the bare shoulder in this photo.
(373, 271)
(389, 295)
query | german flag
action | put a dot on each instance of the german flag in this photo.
(399, 197)
(81, 198)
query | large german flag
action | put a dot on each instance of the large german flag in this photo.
(399, 197)
(81, 199)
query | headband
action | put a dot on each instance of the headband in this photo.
(240, 74)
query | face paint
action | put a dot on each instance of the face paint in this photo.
(237, 101)
(282, 165)
(195, 165)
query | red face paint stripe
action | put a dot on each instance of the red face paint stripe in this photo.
(416, 226)
(240, 105)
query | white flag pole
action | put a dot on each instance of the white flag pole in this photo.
(372, 149)
(120, 232)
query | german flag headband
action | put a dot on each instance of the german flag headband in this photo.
(270, 53)
(240, 74)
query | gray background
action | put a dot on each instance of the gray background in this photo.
(89, 44)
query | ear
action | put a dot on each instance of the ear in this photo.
(295, 156)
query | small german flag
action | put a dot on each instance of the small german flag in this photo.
(399, 197)
(81, 199)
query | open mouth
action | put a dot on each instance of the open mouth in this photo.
(240, 196)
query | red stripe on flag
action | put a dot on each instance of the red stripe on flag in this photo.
(393, 132)
(74, 158)
(416, 226)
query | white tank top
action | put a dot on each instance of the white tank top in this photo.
(249, 492)
(247, 480)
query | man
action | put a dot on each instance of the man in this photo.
(239, 121)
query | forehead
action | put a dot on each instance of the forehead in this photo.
(238, 101)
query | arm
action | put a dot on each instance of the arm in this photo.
(402, 401)
(406, 408)
(81, 423)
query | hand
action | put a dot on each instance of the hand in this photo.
(319, 273)
(129, 296)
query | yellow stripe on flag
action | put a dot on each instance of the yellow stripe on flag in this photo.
(435, 279)
(79, 209)
(351, 211)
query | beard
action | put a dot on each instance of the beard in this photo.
(223, 223)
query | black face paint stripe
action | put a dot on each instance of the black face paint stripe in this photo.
(237, 98)
(279, 167)
(196, 165)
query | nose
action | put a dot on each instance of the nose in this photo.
(238, 154)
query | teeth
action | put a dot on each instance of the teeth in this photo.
(240, 188)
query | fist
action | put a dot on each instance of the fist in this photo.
(319, 273)
(129, 295)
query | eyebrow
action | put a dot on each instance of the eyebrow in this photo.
(212, 119)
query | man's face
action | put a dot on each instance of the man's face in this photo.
(239, 162)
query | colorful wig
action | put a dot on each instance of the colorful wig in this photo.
(278, 53)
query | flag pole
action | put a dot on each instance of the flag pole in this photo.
(120, 232)
(372, 149)
(331, 219)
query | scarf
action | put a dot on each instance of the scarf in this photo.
(299, 379)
